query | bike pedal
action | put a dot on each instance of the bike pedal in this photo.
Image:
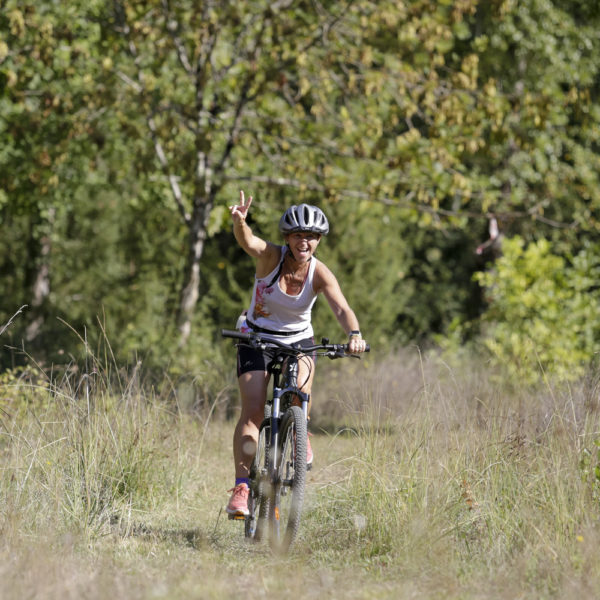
(237, 517)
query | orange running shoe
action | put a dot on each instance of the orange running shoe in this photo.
(238, 502)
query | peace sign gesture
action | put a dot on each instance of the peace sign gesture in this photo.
(239, 212)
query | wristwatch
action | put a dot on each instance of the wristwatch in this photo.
(354, 333)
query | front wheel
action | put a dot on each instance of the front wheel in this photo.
(288, 496)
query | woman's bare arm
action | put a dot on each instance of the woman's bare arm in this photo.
(265, 253)
(326, 282)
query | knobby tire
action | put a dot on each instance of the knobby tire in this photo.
(288, 493)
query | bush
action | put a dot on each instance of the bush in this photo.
(543, 309)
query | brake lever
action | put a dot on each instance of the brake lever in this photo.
(257, 343)
(332, 354)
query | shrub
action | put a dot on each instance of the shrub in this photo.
(543, 309)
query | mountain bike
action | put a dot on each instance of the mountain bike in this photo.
(278, 472)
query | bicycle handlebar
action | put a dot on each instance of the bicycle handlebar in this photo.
(255, 339)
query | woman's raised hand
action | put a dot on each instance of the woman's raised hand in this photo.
(239, 212)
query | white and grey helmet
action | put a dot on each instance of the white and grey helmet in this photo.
(304, 217)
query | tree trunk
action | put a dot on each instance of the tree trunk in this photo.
(190, 291)
(41, 283)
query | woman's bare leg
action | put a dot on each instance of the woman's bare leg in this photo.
(253, 391)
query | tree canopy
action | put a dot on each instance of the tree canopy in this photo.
(129, 126)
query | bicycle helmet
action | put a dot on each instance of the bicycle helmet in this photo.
(304, 217)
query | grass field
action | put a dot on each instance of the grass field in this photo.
(430, 481)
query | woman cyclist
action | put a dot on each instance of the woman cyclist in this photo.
(287, 281)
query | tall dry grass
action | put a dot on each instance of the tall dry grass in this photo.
(431, 480)
(77, 456)
(457, 475)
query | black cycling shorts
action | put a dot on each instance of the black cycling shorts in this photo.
(253, 359)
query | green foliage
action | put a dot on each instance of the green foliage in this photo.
(128, 127)
(542, 316)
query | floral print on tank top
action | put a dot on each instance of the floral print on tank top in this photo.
(259, 304)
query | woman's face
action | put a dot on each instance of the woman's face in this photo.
(303, 244)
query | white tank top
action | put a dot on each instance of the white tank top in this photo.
(271, 308)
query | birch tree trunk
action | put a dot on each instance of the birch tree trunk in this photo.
(41, 283)
(190, 291)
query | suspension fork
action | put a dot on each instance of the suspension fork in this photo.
(284, 383)
(285, 379)
(275, 420)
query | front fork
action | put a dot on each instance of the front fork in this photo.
(290, 386)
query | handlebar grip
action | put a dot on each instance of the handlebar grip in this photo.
(232, 333)
(347, 346)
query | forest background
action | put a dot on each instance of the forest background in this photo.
(127, 128)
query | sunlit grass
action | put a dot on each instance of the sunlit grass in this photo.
(430, 481)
